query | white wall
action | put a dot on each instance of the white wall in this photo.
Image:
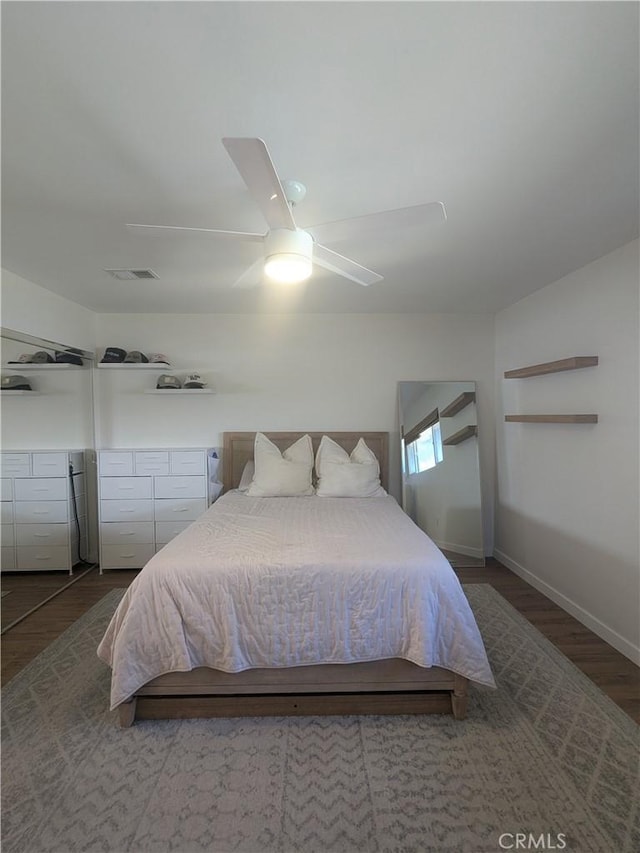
(61, 415)
(290, 371)
(29, 308)
(568, 511)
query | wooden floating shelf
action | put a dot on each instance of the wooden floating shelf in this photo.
(462, 435)
(458, 404)
(574, 363)
(552, 419)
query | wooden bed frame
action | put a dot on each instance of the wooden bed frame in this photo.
(379, 687)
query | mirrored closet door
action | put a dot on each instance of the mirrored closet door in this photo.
(440, 466)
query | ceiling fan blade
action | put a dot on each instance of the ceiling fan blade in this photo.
(402, 217)
(344, 266)
(259, 174)
(251, 277)
(240, 235)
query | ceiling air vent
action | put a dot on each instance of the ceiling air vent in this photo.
(129, 275)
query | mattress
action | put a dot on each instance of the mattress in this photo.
(282, 582)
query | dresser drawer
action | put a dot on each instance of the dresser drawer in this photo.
(125, 556)
(188, 462)
(152, 462)
(15, 465)
(7, 558)
(50, 464)
(180, 487)
(43, 557)
(125, 533)
(7, 534)
(174, 509)
(34, 535)
(168, 530)
(7, 489)
(41, 489)
(130, 488)
(115, 462)
(32, 512)
(6, 512)
(126, 510)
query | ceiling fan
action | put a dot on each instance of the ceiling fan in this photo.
(289, 252)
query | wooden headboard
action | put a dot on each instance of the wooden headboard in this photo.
(237, 450)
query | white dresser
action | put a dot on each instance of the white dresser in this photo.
(43, 508)
(147, 497)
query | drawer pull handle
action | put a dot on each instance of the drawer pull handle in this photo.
(125, 488)
(42, 535)
(182, 509)
(126, 556)
(41, 512)
(128, 533)
(43, 558)
(127, 510)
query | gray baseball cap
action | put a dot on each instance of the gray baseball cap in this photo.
(14, 382)
(167, 380)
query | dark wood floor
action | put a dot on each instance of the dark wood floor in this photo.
(613, 673)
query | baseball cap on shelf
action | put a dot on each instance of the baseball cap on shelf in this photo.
(167, 380)
(113, 355)
(14, 382)
(41, 357)
(194, 380)
(69, 356)
(136, 357)
(25, 358)
(158, 358)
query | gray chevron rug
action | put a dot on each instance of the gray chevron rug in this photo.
(546, 762)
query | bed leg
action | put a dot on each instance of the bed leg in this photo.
(127, 713)
(459, 697)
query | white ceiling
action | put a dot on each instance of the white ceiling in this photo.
(521, 117)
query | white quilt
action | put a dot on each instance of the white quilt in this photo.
(277, 582)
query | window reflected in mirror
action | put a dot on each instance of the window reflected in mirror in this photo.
(425, 450)
(440, 466)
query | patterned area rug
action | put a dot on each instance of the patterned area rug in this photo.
(547, 756)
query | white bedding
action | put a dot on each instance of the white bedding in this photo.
(277, 582)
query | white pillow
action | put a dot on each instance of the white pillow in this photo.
(344, 476)
(247, 476)
(286, 474)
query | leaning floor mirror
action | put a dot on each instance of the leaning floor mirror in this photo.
(440, 466)
(48, 470)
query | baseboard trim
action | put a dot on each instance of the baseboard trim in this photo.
(588, 619)
(467, 550)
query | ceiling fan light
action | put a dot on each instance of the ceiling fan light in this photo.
(288, 268)
(288, 255)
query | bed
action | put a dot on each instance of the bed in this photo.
(295, 605)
